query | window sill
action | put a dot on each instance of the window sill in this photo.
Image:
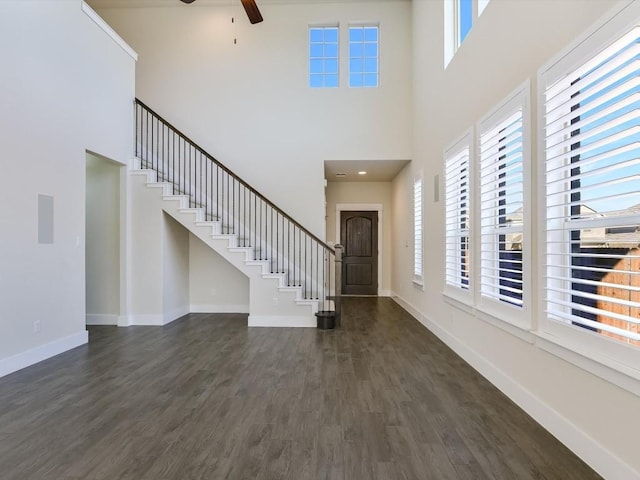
(518, 331)
(419, 284)
(458, 302)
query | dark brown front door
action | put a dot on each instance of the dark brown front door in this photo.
(359, 236)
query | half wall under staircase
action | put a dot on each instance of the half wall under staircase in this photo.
(292, 274)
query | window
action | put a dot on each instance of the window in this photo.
(502, 208)
(459, 17)
(457, 215)
(592, 172)
(417, 229)
(363, 56)
(323, 57)
(464, 19)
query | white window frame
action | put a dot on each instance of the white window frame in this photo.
(310, 27)
(453, 282)
(600, 355)
(363, 25)
(482, 4)
(418, 230)
(487, 231)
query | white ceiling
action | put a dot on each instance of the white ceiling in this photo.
(377, 170)
(98, 4)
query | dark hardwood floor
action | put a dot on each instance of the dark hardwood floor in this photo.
(207, 398)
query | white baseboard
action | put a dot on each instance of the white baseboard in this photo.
(603, 461)
(153, 319)
(384, 293)
(176, 313)
(43, 352)
(219, 308)
(145, 319)
(284, 321)
(101, 319)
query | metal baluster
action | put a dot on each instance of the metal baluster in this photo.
(289, 251)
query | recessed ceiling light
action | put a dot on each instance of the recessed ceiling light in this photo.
(362, 172)
(341, 174)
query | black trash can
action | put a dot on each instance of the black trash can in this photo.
(326, 320)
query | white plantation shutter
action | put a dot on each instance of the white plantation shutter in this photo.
(457, 216)
(417, 229)
(502, 206)
(592, 178)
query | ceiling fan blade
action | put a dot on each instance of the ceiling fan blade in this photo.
(249, 6)
(252, 10)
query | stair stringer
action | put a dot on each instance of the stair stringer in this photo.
(271, 302)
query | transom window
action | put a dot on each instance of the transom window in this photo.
(323, 57)
(363, 56)
(464, 19)
(459, 17)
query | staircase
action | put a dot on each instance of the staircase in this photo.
(292, 273)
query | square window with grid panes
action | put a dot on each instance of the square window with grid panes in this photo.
(323, 57)
(364, 56)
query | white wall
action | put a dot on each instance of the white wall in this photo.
(250, 105)
(371, 193)
(215, 286)
(102, 244)
(146, 256)
(506, 46)
(175, 269)
(65, 87)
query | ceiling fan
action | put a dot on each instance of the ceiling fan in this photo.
(249, 6)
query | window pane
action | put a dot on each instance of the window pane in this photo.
(331, 50)
(356, 65)
(331, 80)
(315, 35)
(371, 65)
(331, 35)
(465, 18)
(371, 80)
(371, 49)
(315, 66)
(371, 34)
(355, 80)
(331, 66)
(356, 34)
(356, 50)
(315, 80)
(315, 50)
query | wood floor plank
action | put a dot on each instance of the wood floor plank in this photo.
(206, 398)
